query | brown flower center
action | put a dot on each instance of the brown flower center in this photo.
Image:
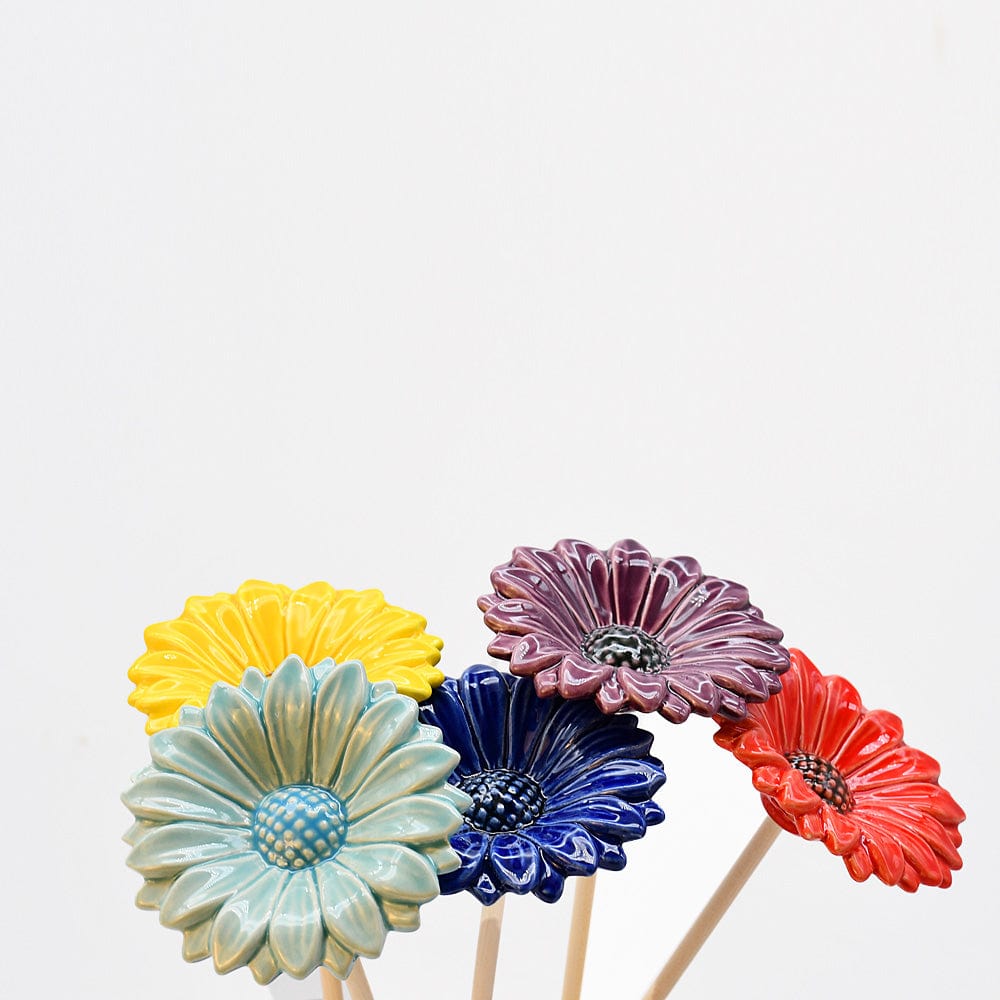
(824, 779)
(626, 646)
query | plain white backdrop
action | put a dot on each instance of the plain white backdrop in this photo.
(372, 294)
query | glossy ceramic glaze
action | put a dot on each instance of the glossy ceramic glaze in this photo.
(294, 821)
(828, 769)
(557, 786)
(632, 631)
(217, 638)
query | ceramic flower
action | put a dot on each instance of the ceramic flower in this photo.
(828, 769)
(632, 631)
(217, 638)
(294, 820)
(556, 786)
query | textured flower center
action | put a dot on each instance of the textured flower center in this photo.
(299, 825)
(502, 800)
(824, 779)
(626, 646)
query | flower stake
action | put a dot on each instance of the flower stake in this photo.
(556, 788)
(631, 632)
(828, 769)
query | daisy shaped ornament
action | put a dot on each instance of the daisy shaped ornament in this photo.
(556, 787)
(828, 769)
(216, 638)
(294, 821)
(632, 631)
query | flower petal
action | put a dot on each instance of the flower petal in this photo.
(592, 574)
(515, 862)
(631, 780)
(165, 796)
(631, 569)
(415, 819)
(287, 710)
(169, 849)
(670, 582)
(606, 815)
(296, 932)
(550, 883)
(393, 872)
(350, 913)
(415, 767)
(894, 766)
(340, 699)
(579, 678)
(567, 846)
(194, 753)
(527, 721)
(233, 718)
(485, 696)
(241, 925)
(645, 691)
(551, 582)
(199, 892)
(382, 728)
(875, 733)
(470, 846)
(445, 711)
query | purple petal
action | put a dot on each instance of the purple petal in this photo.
(554, 573)
(708, 599)
(645, 691)
(697, 689)
(631, 568)
(579, 678)
(611, 698)
(536, 652)
(522, 617)
(670, 583)
(593, 577)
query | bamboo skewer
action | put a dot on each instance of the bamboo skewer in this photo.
(714, 909)
(332, 988)
(579, 932)
(357, 983)
(487, 951)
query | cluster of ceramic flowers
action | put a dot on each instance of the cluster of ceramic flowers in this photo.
(315, 778)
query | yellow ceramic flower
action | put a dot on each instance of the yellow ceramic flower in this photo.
(217, 638)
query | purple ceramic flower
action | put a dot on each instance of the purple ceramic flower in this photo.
(632, 631)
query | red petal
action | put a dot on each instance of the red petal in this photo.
(886, 855)
(875, 733)
(859, 865)
(842, 832)
(767, 779)
(926, 796)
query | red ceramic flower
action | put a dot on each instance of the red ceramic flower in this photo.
(828, 769)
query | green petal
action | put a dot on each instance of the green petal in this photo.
(233, 718)
(138, 831)
(169, 849)
(288, 704)
(337, 958)
(350, 912)
(241, 925)
(151, 895)
(165, 796)
(415, 767)
(415, 819)
(453, 796)
(401, 916)
(194, 753)
(199, 892)
(393, 872)
(340, 699)
(296, 933)
(381, 729)
(196, 946)
(253, 682)
(442, 856)
(264, 965)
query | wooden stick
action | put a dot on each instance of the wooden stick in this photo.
(579, 933)
(332, 988)
(487, 951)
(721, 899)
(357, 983)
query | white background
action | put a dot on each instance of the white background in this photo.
(374, 294)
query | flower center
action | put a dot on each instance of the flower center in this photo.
(502, 800)
(299, 825)
(824, 779)
(626, 646)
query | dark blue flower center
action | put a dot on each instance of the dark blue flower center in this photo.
(298, 826)
(824, 779)
(502, 800)
(626, 646)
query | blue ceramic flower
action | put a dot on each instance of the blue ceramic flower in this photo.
(294, 820)
(556, 786)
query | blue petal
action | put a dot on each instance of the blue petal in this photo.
(651, 813)
(566, 846)
(444, 710)
(612, 856)
(631, 780)
(528, 719)
(572, 749)
(470, 846)
(550, 884)
(515, 862)
(485, 890)
(606, 815)
(486, 698)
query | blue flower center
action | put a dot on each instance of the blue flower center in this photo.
(824, 779)
(298, 826)
(502, 800)
(626, 646)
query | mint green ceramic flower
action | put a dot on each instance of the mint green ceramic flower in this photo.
(294, 820)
